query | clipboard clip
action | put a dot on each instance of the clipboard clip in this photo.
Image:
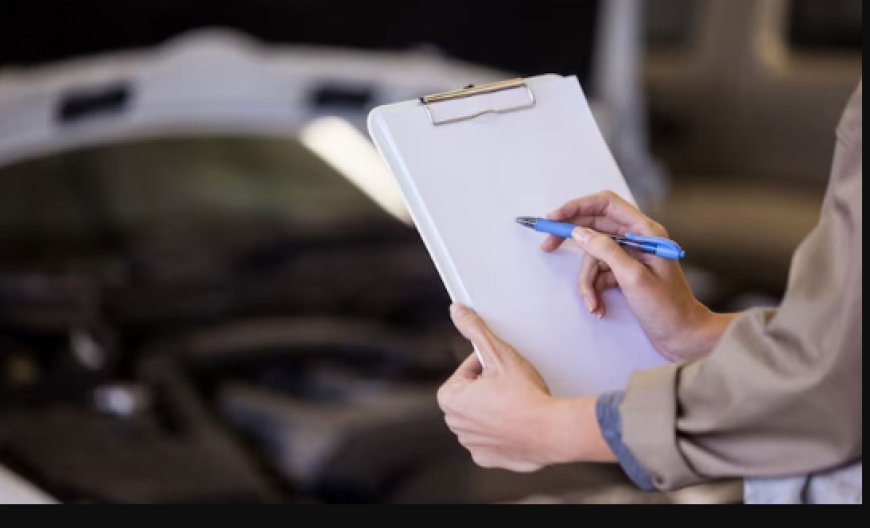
(471, 91)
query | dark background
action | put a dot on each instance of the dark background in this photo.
(526, 37)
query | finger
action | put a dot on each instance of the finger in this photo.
(448, 393)
(606, 203)
(473, 328)
(611, 206)
(483, 459)
(491, 459)
(605, 280)
(469, 370)
(627, 269)
(456, 423)
(598, 223)
(586, 282)
(552, 243)
(521, 466)
(471, 440)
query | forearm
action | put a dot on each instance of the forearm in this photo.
(588, 430)
(570, 432)
(691, 332)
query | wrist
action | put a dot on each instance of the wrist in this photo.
(703, 329)
(708, 329)
(569, 432)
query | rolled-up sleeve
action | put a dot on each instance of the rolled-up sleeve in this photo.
(780, 394)
(610, 423)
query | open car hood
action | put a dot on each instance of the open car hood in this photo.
(209, 82)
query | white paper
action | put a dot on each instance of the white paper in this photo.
(466, 182)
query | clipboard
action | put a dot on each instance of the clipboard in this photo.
(468, 163)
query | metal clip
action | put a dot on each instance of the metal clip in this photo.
(472, 90)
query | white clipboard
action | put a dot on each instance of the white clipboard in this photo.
(468, 163)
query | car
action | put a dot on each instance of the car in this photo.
(193, 270)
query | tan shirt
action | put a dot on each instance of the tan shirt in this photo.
(780, 394)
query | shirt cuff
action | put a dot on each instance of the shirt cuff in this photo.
(649, 426)
(610, 422)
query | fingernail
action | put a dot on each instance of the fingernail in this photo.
(581, 234)
(457, 310)
(591, 306)
(600, 315)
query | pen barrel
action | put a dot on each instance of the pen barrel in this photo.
(646, 248)
(560, 229)
(669, 253)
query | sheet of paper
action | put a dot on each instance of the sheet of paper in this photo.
(465, 183)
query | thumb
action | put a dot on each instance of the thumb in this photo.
(473, 328)
(626, 268)
(469, 370)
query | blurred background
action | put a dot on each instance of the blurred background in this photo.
(209, 287)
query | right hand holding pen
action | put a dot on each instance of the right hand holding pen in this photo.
(679, 326)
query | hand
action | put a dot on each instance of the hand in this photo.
(679, 326)
(504, 414)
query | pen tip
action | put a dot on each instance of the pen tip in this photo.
(527, 221)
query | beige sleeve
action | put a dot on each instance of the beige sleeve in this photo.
(780, 393)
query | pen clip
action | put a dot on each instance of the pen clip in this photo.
(660, 241)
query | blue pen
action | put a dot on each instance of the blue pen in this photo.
(658, 246)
